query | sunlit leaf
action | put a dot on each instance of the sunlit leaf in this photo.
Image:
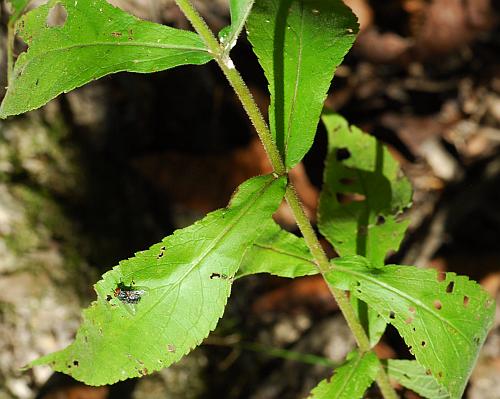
(443, 318)
(373, 323)
(351, 380)
(363, 194)
(299, 44)
(278, 252)
(182, 283)
(93, 40)
(412, 375)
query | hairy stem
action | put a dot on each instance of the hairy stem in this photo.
(322, 263)
(236, 82)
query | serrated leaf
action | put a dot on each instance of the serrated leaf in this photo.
(184, 282)
(444, 319)
(240, 9)
(95, 40)
(278, 252)
(299, 44)
(412, 375)
(363, 194)
(351, 380)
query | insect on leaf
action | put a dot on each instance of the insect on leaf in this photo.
(351, 380)
(299, 44)
(93, 40)
(278, 252)
(443, 318)
(188, 278)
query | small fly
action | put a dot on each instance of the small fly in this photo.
(129, 296)
(128, 293)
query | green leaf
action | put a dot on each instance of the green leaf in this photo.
(278, 252)
(363, 193)
(372, 322)
(350, 380)
(412, 375)
(444, 319)
(299, 44)
(183, 284)
(95, 40)
(240, 9)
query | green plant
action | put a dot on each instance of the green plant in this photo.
(154, 308)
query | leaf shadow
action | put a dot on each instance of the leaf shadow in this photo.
(279, 73)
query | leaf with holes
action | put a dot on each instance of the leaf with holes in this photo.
(412, 375)
(240, 9)
(94, 40)
(154, 308)
(299, 43)
(443, 318)
(280, 253)
(351, 380)
(363, 194)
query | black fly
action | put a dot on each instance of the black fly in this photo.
(128, 294)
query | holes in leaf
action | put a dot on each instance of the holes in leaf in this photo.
(162, 252)
(362, 230)
(76, 363)
(342, 154)
(441, 276)
(392, 315)
(218, 276)
(347, 181)
(171, 348)
(437, 304)
(466, 301)
(109, 298)
(477, 340)
(57, 16)
(347, 198)
(423, 343)
(450, 287)
(380, 220)
(428, 372)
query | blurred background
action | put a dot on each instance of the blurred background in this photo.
(113, 167)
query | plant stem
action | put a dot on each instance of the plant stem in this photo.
(236, 82)
(291, 196)
(10, 50)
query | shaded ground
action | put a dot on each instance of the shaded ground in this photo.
(120, 163)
